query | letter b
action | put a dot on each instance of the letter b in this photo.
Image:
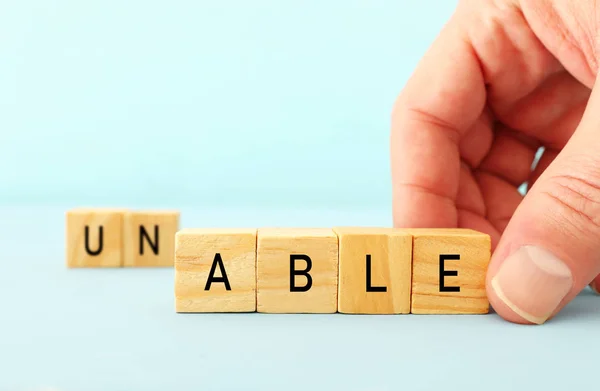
(294, 272)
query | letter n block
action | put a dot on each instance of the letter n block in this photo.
(215, 270)
(149, 238)
(449, 271)
(94, 237)
(375, 270)
(297, 270)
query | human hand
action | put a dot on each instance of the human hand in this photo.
(504, 78)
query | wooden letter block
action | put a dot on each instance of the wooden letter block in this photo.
(297, 270)
(94, 237)
(215, 270)
(374, 270)
(449, 269)
(149, 238)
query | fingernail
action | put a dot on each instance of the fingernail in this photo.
(532, 282)
(594, 287)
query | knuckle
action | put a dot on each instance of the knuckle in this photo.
(577, 199)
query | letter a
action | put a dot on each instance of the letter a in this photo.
(211, 275)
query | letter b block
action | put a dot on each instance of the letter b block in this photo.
(449, 270)
(215, 270)
(94, 237)
(297, 270)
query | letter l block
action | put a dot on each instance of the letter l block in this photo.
(375, 270)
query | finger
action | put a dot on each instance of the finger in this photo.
(558, 98)
(501, 199)
(441, 101)
(546, 158)
(478, 140)
(595, 285)
(510, 158)
(542, 164)
(550, 250)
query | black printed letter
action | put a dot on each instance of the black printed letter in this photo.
(211, 274)
(144, 234)
(371, 288)
(443, 272)
(294, 272)
(100, 241)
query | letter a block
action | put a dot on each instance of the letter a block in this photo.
(449, 270)
(215, 270)
(149, 238)
(297, 270)
(374, 270)
(94, 237)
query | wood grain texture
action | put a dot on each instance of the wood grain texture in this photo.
(195, 253)
(474, 249)
(274, 248)
(149, 238)
(102, 245)
(390, 254)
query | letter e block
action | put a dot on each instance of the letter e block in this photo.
(374, 270)
(149, 238)
(449, 271)
(94, 237)
(215, 270)
(297, 270)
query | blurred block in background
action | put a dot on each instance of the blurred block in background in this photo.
(149, 238)
(101, 237)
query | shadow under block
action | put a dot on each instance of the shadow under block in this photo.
(149, 238)
(297, 270)
(94, 237)
(374, 270)
(449, 271)
(215, 270)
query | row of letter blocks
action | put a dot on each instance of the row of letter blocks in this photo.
(108, 238)
(348, 270)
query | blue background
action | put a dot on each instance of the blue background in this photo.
(234, 102)
(238, 113)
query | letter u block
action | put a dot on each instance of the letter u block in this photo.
(215, 270)
(94, 237)
(297, 270)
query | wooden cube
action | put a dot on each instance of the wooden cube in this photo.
(215, 270)
(297, 270)
(449, 270)
(94, 237)
(374, 270)
(149, 238)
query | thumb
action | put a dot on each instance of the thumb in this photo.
(550, 250)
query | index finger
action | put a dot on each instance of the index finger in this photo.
(440, 102)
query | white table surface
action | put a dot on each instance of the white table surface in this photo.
(116, 329)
